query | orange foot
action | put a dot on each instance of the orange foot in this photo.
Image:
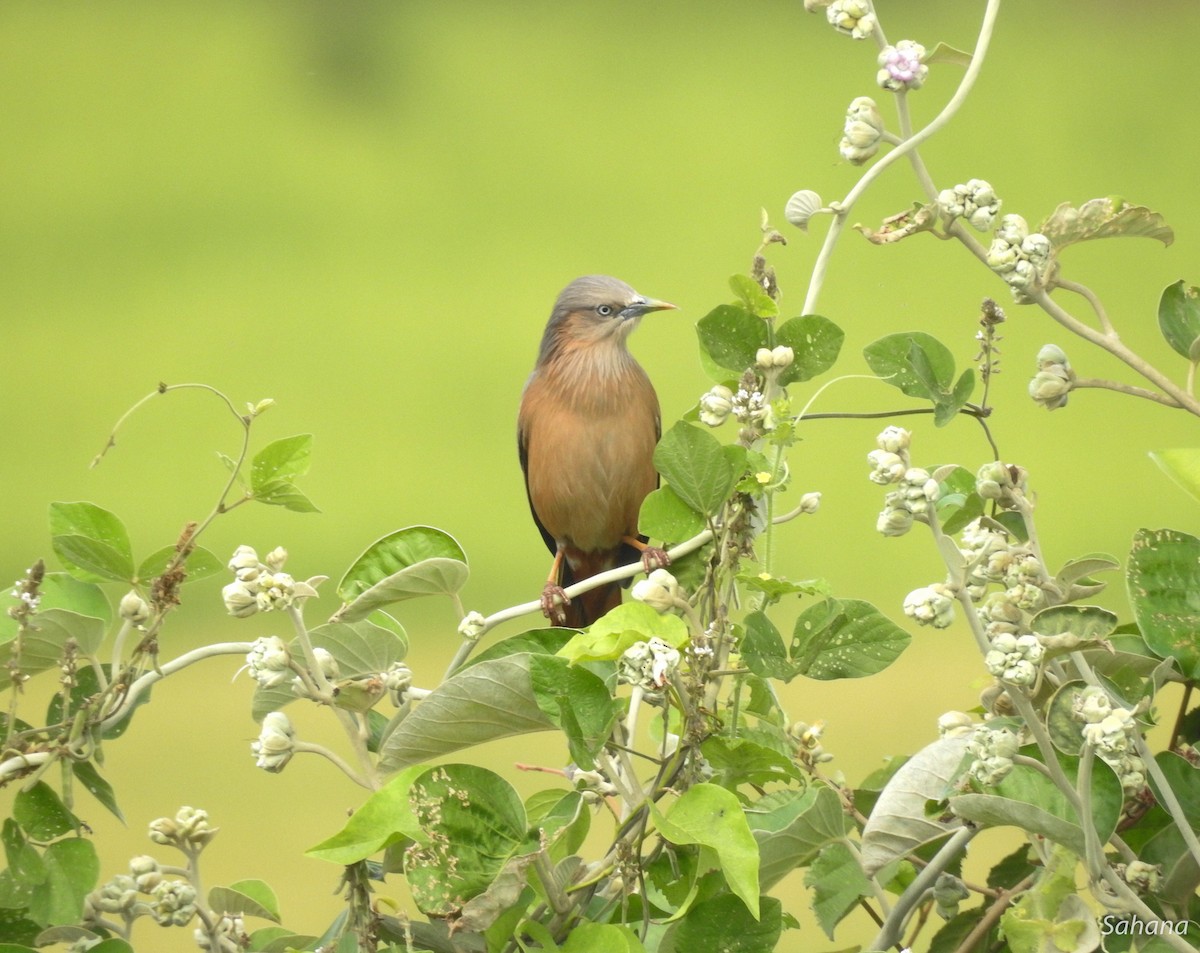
(554, 601)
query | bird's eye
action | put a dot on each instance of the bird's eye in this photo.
(604, 310)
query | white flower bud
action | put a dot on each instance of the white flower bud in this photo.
(240, 601)
(275, 744)
(276, 558)
(894, 439)
(1012, 230)
(659, 591)
(955, 723)
(810, 503)
(862, 131)
(887, 467)
(716, 405)
(894, 521)
(648, 664)
(145, 872)
(852, 17)
(782, 356)
(173, 903)
(133, 608)
(931, 605)
(763, 358)
(398, 680)
(244, 557)
(269, 662)
(473, 625)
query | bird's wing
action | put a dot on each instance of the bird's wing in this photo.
(523, 453)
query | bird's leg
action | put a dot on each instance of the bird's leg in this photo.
(652, 557)
(553, 597)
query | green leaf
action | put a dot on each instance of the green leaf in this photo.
(92, 543)
(88, 775)
(700, 470)
(730, 337)
(957, 503)
(246, 898)
(286, 494)
(200, 564)
(602, 938)
(1180, 872)
(1182, 466)
(473, 822)
(1088, 623)
(791, 827)
(838, 883)
(489, 700)
(815, 341)
(845, 638)
(1179, 318)
(548, 641)
(620, 628)
(899, 823)
(712, 817)
(1163, 577)
(72, 869)
(577, 702)
(414, 561)
(891, 358)
(737, 761)
(46, 638)
(61, 590)
(1109, 217)
(664, 515)
(42, 814)
(384, 819)
(1028, 799)
(763, 651)
(724, 924)
(281, 461)
(946, 408)
(753, 297)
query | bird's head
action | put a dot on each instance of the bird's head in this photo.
(596, 309)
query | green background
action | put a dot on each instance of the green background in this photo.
(364, 211)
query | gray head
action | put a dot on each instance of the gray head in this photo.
(594, 309)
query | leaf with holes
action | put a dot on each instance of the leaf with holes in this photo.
(1163, 578)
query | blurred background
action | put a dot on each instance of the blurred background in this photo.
(364, 210)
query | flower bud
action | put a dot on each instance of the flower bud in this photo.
(862, 131)
(716, 405)
(276, 558)
(240, 601)
(269, 662)
(852, 17)
(901, 67)
(782, 356)
(244, 557)
(659, 591)
(810, 503)
(473, 625)
(398, 680)
(893, 440)
(931, 605)
(275, 744)
(952, 724)
(145, 872)
(174, 903)
(887, 467)
(133, 608)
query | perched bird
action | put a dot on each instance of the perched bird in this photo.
(586, 432)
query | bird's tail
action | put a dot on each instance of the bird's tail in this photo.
(587, 608)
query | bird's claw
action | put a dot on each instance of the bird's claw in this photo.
(653, 558)
(554, 601)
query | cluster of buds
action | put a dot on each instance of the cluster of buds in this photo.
(189, 831)
(993, 750)
(660, 591)
(276, 743)
(27, 592)
(592, 784)
(648, 665)
(1015, 659)
(173, 903)
(747, 405)
(855, 18)
(987, 553)
(771, 360)
(916, 490)
(900, 66)
(1110, 731)
(931, 605)
(397, 680)
(227, 936)
(862, 132)
(1002, 482)
(1141, 876)
(975, 201)
(948, 892)
(807, 739)
(472, 626)
(269, 662)
(261, 585)
(1020, 257)
(1054, 379)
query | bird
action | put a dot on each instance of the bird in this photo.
(587, 427)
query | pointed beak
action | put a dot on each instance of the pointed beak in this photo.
(643, 306)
